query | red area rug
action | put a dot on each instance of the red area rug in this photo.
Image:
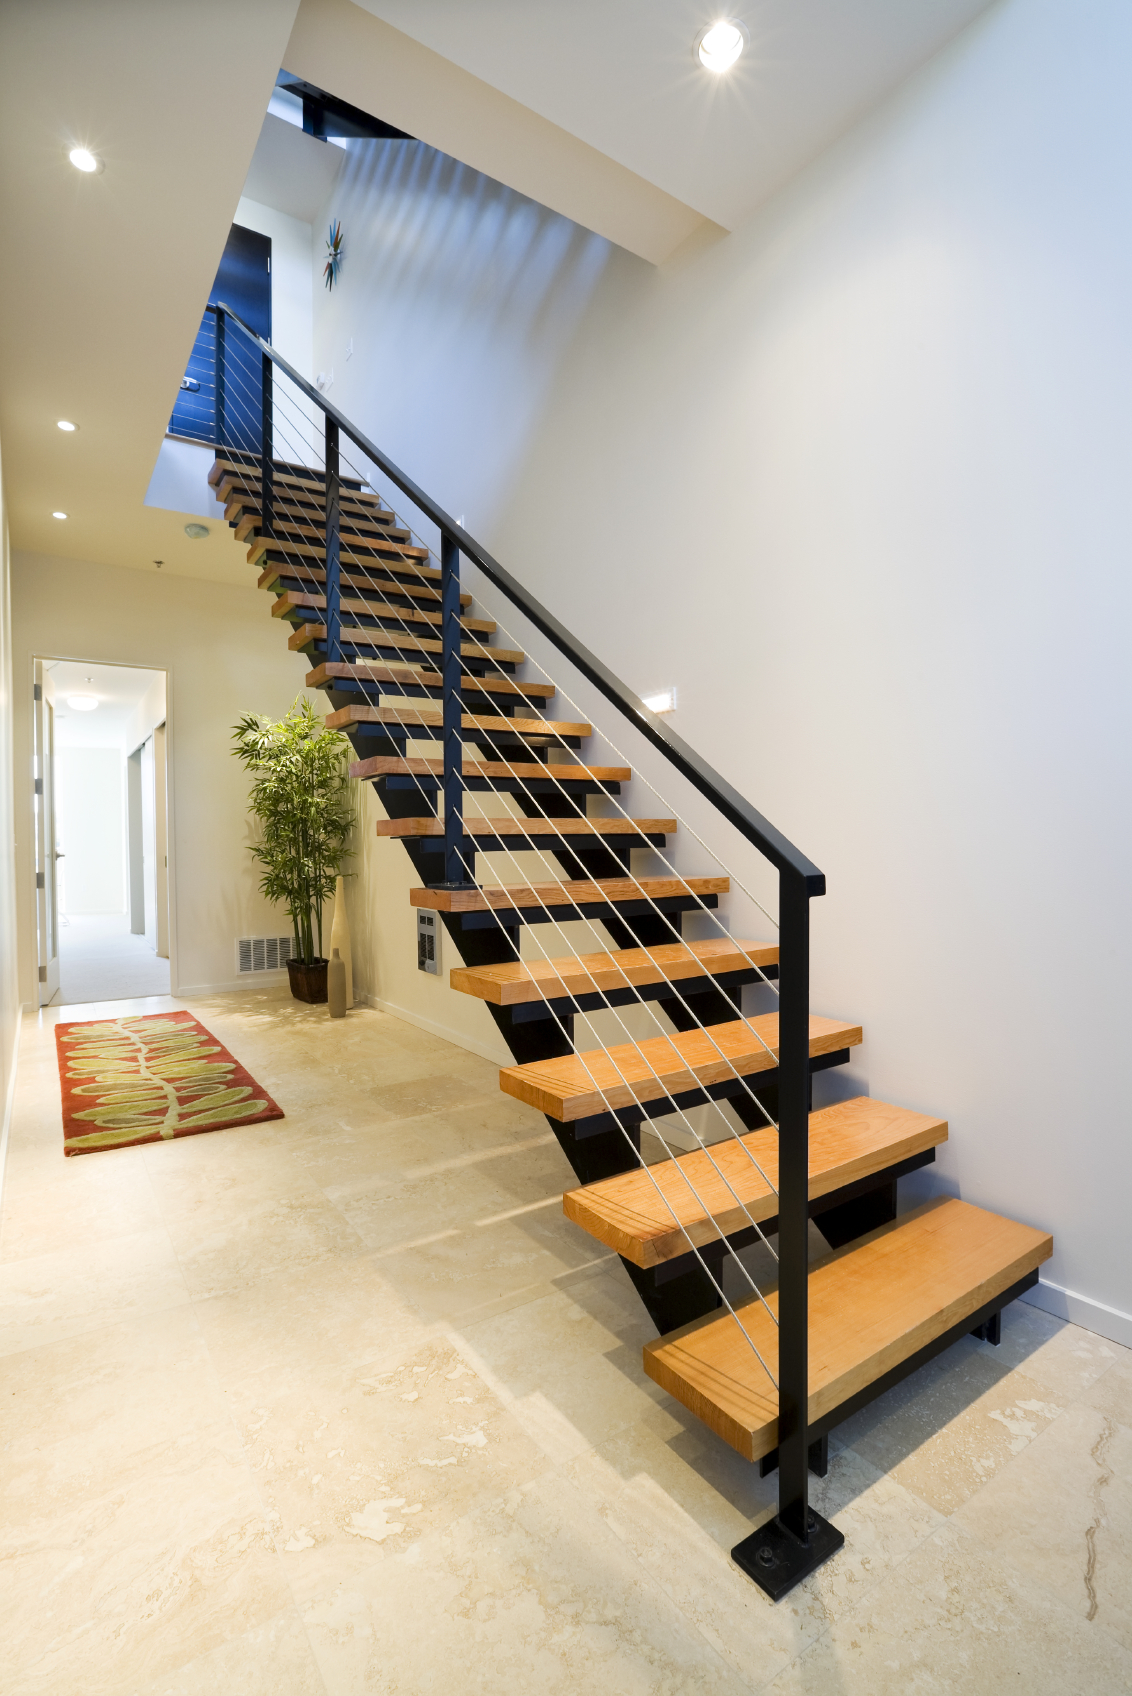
(150, 1079)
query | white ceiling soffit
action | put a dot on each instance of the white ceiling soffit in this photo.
(291, 171)
(350, 52)
(103, 278)
(620, 75)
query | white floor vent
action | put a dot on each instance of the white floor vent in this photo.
(262, 953)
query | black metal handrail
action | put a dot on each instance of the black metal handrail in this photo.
(799, 881)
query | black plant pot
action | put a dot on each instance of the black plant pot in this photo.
(308, 979)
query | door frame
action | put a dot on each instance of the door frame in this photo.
(44, 834)
(27, 914)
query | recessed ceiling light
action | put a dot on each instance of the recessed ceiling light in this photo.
(58, 515)
(718, 46)
(65, 424)
(195, 531)
(84, 160)
(82, 703)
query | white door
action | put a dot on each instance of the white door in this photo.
(46, 848)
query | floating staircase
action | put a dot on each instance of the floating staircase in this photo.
(771, 1369)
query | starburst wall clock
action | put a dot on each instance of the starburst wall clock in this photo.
(333, 254)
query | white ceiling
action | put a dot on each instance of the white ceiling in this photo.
(593, 106)
(620, 75)
(103, 278)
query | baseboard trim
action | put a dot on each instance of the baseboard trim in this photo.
(252, 980)
(497, 1056)
(1091, 1315)
(9, 1099)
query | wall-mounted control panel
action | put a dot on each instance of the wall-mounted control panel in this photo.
(428, 942)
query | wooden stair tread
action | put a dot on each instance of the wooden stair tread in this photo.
(393, 765)
(574, 1086)
(516, 981)
(293, 600)
(288, 525)
(274, 570)
(388, 671)
(305, 503)
(289, 476)
(413, 713)
(368, 635)
(512, 825)
(721, 1193)
(311, 550)
(872, 1305)
(294, 494)
(567, 893)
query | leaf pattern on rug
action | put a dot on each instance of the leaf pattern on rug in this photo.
(152, 1078)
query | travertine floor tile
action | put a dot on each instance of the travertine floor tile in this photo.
(46, 1297)
(266, 1238)
(570, 1364)
(949, 1427)
(77, 1203)
(75, 1415)
(273, 1659)
(1050, 1351)
(343, 1403)
(955, 1621)
(529, 1594)
(682, 1531)
(355, 1462)
(339, 1311)
(1063, 1513)
(170, 1560)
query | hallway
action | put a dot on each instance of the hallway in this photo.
(341, 1403)
(101, 960)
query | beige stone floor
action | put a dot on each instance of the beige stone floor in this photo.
(343, 1404)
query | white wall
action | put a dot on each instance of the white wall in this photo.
(854, 479)
(147, 715)
(90, 825)
(9, 984)
(459, 298)
(223, 655)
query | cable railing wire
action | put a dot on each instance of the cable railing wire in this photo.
(533, 846)
(799, 879)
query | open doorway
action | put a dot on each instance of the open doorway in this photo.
(101, 809)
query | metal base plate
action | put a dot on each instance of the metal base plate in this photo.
(776, 1560)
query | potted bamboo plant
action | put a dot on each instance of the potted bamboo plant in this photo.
(302, 799)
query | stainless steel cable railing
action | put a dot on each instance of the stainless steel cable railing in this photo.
(236, 406)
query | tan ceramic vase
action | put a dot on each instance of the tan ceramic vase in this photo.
(340, 937)
(336, 985)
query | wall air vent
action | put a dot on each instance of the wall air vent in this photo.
(262, 953)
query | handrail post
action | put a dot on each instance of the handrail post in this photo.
(267, 451)
(218, 379)
(452, 714)
(781, 1553)
(793, 1202)
(333, 547)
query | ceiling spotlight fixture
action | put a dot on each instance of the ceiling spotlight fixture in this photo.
(196, 531)
(84, 160)
(718, 46)
(82, 703)
(58, 515)
(65, 424)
